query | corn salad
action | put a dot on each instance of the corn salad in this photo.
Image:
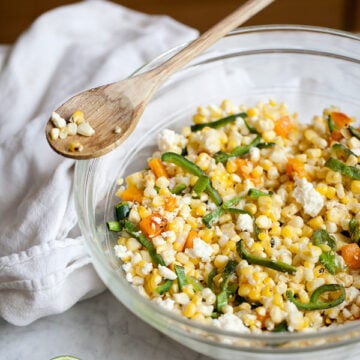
(248, 220)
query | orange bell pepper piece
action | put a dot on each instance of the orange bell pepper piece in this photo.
(295, 167)
(340, 119)
(351, 255)
(132, 193)
(189, 242)
(283, 126)
(153, 225)
(157, 167)
(170, 203)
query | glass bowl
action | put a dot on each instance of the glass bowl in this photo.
(309, 68)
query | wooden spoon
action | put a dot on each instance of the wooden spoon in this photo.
(120, 104)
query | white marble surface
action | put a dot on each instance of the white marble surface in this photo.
(96, 329)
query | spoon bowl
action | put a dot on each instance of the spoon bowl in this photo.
(113, 110)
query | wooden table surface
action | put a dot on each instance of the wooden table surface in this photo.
(17, 15)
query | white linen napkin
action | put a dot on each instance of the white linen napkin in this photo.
(43, 268)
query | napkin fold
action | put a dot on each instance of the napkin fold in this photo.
(44, 266)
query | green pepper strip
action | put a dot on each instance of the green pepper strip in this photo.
(238, 151)
(192, 169)
(265, 145)
(354, 132)
(330, 123)
(194, 283)
(281, 327)
(346, 170)
(131, 229)
(314, 304)
(341, 150)
(250, 128)
(222, 297)
(178, 189)
(218, 123)
(165, 287)
(201, 184)
(354, 230)
(321, 236)
(210, 281)
(122, 211)
(255, 193)
(114, 226)
(209, 219)
(253, 259)
(181, 277)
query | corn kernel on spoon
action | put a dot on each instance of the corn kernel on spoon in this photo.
(96, 121)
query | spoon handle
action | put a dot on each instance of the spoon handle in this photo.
(236, 18)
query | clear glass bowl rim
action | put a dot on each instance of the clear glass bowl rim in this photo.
(82, 168)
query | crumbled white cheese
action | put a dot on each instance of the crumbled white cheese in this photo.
(121, 251)
(230, 322)
(181, 298)
(169, 140)
(306, 195)
(147, 268)
(245, 223)
(166, 273)
(166, 304)
(200, 249)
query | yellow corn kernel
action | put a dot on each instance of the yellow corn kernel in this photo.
(316, 222)
(192, 222)
(201, 210)
(345, 200)
(263, 236)
(231, 245)
(199, 119)
(307, 231)
(189, 310)
(254, 294)
(287, 231)
(272, 102)
(252, 112)
(267, 290)
(333, 177)
(77, 117)
(321, 188)
(143, 212)
(206, 235)
(164, 191)
(251, 208)
(257, 248)
(226, 104)
(355, 187)
(215, 112)
(76, 146)
(330, 192)
(278, 300)
(231, 166)
(122, 240)
(158, 201)
(189, 291)
(220, 261)
(177, 246)
(275, 230)
(244, 289)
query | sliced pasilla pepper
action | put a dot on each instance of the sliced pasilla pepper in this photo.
(354, 132)
(222, 296)
(122, 211)
(255, 193)
(330, 123)
(114, 226)
(341, 151)
(201, 184)
(178, 189)
(165, 287)
(181, 277)
(257, 260)
(354, 230)
(351, 172)
(218, 123)
(314, 303)
(192, 168)
(131, 229)
(238, 151)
